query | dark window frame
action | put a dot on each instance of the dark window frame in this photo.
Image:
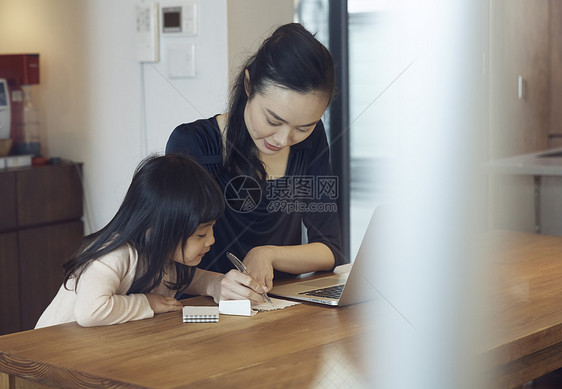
(339, 115)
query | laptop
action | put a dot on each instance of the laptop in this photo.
(340, 289)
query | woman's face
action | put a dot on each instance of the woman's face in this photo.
(280, 117)
(196, 245)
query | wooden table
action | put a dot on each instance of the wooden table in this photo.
(303, 346)
(524, 340)
(300, 346)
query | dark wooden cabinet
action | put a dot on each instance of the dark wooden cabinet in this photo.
(40, 226)
(9, 284)
(8, 200)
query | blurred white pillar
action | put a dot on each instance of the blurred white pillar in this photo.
(424, 332)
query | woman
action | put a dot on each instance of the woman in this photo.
(270, 156)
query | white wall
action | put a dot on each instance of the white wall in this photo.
(55, 29)
(110, 142)
(244, 38)
(93, 91)
(171, 101)
(120, 131)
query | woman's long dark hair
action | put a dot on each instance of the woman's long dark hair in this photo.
(169, 197)
(290, 58)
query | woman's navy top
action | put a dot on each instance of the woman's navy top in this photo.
(270, 215)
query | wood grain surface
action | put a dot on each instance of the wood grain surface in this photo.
(524, 339)
(284, 348)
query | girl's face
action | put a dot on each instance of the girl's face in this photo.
(280, 117)
(196, 245)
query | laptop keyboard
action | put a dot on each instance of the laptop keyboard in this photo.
(330, 292)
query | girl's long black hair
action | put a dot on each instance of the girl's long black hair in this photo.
(290, 58)
(169, 197)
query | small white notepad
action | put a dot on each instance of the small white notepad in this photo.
(200, 314)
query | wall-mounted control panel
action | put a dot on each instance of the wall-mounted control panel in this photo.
(169, 28)
(180, 18)
(146, 36)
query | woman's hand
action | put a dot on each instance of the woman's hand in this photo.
(259, 263)
(162, 304)
(237, 286)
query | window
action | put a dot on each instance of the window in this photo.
(366, 113)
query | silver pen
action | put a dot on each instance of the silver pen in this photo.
(242, 269)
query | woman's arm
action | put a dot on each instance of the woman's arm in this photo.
(230, 286)
(298, 259)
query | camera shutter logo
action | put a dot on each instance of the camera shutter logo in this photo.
(242, 194)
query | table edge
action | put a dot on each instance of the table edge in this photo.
(49, 374)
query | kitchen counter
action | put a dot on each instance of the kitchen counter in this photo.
(539, 163)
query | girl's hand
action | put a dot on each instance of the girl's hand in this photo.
(162, 304)
(259, 263)
(237, 286)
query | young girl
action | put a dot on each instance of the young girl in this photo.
(133, 267)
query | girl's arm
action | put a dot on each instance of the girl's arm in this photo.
(230, 286)
(260, 261)
(99, 300)
(101, 294)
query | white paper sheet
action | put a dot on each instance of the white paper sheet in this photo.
(243, 307)
(277, 304)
